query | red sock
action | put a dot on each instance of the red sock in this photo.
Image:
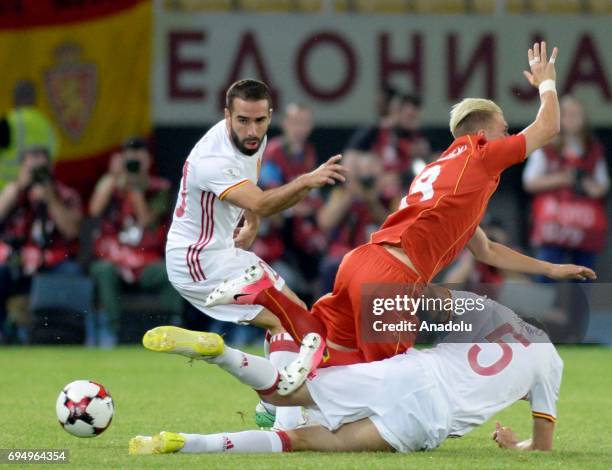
(296, 320)
(285, 440)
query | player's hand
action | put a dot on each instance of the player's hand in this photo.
(328, 173)
(570, 272)
(245, 236)
(541, 68)
(504, 436)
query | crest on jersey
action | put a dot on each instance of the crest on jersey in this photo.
(231, 172)
(71, 85)
(455, 153)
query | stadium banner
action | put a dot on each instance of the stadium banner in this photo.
(90, 64)
(336, 63)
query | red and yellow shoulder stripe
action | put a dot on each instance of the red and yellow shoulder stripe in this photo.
(231, 188)
(537, 414)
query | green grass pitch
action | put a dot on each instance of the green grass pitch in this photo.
(155, 392)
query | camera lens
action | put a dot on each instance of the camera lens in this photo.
(132, 166)
(367, 182)
(40, 174)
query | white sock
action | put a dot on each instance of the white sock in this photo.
(236, 442)
(254, 371)
(266, 348)
(283, 351)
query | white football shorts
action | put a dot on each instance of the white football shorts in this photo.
(221, 265)
(399, 395)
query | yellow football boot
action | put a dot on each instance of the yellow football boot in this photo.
(174, 340)
(162, 443)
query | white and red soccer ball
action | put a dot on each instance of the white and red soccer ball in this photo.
(84, 408)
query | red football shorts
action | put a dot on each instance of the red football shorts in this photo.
(340, 311)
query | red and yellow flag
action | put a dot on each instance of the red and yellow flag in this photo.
(90, 63)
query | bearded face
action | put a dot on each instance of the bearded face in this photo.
(248, 145)
(247, 123)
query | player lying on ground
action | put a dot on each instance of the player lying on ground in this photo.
(410, 402)
(437, 219)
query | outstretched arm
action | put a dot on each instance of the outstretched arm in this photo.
(542, 438)
(502, 257)
(542, 75)
(265, 203)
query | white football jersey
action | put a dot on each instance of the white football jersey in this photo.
(511, 360)
(203, 222)
(419, 398)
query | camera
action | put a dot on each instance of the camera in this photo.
(40, 174)
(367, 182)
(132, 166)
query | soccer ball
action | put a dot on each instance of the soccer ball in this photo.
(84, 408)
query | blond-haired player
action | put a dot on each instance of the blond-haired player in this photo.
(436, 220)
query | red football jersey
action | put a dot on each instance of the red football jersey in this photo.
(447, 201)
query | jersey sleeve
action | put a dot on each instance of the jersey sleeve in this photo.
(219, 176)
(545, 392)
(503, 153)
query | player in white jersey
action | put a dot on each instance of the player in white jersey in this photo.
(217, 189)
(410, 402)
(201, 250)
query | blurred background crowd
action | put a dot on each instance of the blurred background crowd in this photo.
(82, 243)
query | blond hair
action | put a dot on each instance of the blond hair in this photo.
(470, 111)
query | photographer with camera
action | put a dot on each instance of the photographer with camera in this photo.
(569, 180)
(132, 206)
(356, 209)
(40, 220)
(397, 139)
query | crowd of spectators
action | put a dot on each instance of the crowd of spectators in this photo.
(130, 209)
(41, 229)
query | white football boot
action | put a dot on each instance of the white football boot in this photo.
(241, 290)
(304, 366)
